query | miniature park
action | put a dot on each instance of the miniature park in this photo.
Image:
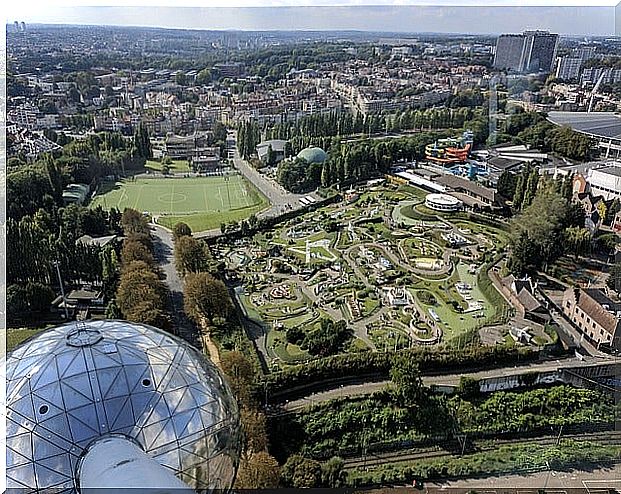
(396, 272)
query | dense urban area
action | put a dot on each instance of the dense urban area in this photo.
(402, 251)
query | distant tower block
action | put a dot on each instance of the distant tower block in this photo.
(112, 404)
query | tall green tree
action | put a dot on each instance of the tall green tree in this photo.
(507, 183)
(181, 230)
(142, 143)
(141, 295)
(408, 385)
(206, 297)
(530, 189)
(191, 255)
(55, 176)
(578, 240)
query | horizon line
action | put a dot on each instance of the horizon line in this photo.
(242, 30)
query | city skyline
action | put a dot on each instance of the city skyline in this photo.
(485, 20)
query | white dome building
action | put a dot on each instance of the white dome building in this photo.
(82, 394)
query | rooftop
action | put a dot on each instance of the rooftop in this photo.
(461, 184)
(599, 307)
(610, 170)
(313, 155)
(501, 163)
(602, 124)
(101, 241)
(277, 145)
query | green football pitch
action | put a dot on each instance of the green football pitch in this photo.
(201, 202)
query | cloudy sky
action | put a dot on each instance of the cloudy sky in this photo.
(448, 16)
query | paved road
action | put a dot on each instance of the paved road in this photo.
(164, 254)
(280, 199)
(447, 380)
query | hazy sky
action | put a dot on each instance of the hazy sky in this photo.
(443, 16)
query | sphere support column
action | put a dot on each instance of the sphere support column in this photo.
(116, 463)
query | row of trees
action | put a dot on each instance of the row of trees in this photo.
(345, 124)
(142, 143)
(207, 302)
(355, 161)
(35, 244)
(206, 298)
(521, 188)
(349, 162)
(141, 296)
(248, 136)
(258, 469)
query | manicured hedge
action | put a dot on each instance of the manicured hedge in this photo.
(378, 364)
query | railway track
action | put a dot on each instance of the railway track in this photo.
(434, 452)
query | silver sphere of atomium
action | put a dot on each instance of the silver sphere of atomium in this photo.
(75, 384)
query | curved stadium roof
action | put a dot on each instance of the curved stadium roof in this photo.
(601, 124)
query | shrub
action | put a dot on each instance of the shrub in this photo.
(354, 365)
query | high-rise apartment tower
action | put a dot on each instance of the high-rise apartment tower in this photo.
(531, 51)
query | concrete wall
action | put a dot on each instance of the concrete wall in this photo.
(519, 381)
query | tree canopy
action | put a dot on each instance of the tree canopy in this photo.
(540, 231)
(206, 296)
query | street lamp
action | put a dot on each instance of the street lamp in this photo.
(62, 288)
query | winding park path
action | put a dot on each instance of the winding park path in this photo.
(359, 326)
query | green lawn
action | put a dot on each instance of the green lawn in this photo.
(284, 350)
(201, 202)
(177, 166)
(453, 323)
(15, 336)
